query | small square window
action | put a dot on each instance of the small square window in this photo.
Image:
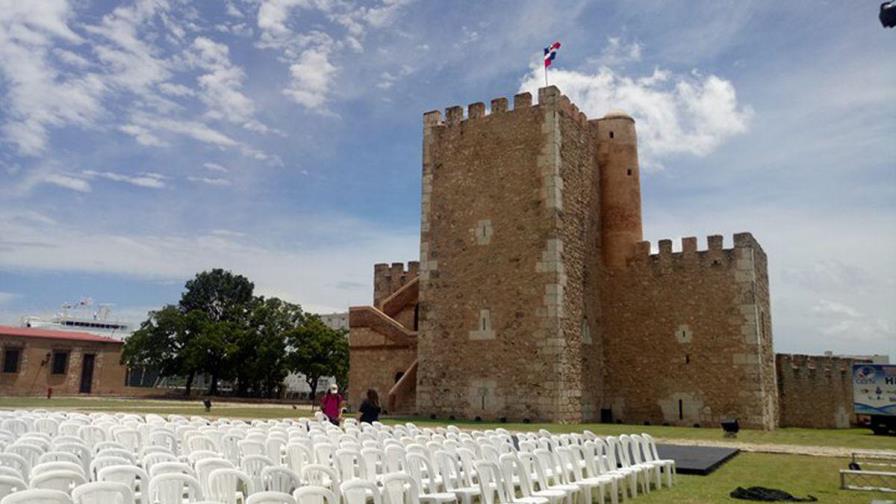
(60, 362)
(629, 172)
(11, 360)
(611, 134)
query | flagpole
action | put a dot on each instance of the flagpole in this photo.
(545, 76)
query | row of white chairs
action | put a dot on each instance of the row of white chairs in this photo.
(176, 459)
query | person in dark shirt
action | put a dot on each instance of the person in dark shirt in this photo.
(370, 407)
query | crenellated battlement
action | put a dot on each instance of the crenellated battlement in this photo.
(457, 115)
(388, 278)
(813, 364)
(715, 253)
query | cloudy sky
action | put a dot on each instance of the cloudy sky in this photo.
(141, 142)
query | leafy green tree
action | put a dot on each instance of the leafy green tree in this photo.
(225, 301)
(316, 351)
(163, 342)
(262, 350)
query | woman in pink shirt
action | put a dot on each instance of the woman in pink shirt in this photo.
(331, 404)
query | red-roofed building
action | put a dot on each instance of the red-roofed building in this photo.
(69, 362)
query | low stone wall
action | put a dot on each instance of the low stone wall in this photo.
(815, 391)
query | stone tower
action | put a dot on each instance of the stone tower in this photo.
(620, 187)
(510, 201)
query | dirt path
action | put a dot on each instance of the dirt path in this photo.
(817, 451)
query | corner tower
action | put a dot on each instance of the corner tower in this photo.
(620, 187)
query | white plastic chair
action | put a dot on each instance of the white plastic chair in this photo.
(58, 480)
(632, 446)
(171, 467)
(229, 485)
(314, 495)
(11, 484)
(171, 488)
(399, 488)
(132, 476)
(37, 496)
(59, 456)
(56, 466)
(496, 490)
(427, 479)
(103, 492)
(271, 498)
(516, 475)
(321, 475)
(17, 462)
(205, 467)
(452, 478)
(588, 478)
(667, 466)
(358, 491)
(279, 479)
(253, 465)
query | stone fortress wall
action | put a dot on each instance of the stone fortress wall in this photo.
(815, 391)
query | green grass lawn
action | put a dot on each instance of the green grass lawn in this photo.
(849, 438)
(795, 474)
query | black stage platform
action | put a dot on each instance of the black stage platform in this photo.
(700, 460)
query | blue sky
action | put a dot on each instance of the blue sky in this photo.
(141, 142)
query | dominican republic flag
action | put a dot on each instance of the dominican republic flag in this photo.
(550, 52)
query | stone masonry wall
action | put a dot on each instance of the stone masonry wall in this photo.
(682, 336)
(494, 264)
(375, 362)
(815, 391)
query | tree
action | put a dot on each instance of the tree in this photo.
(225, 301)
(262, 348)
(317, 350)
(163, 342)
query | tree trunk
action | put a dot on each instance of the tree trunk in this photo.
(189, 386)
(213, 387)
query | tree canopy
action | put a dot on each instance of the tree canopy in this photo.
(220, 328)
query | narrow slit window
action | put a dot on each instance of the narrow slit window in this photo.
(629, 172)
(680, 409)
(611, 134)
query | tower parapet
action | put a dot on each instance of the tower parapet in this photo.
(389, 278)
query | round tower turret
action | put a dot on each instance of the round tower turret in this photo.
(620, 187)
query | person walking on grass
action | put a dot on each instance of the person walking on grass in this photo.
(331, 404)
(370, 407)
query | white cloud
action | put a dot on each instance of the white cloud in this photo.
(311, 79)
(142, 135)
(175, 89)
(297, 272)
(215, 167)
(148, 180)
(65, 181)
(617, 53)
(675, 114)
(192, 129)
(221, 85)
(213, 181)
(38, 96)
